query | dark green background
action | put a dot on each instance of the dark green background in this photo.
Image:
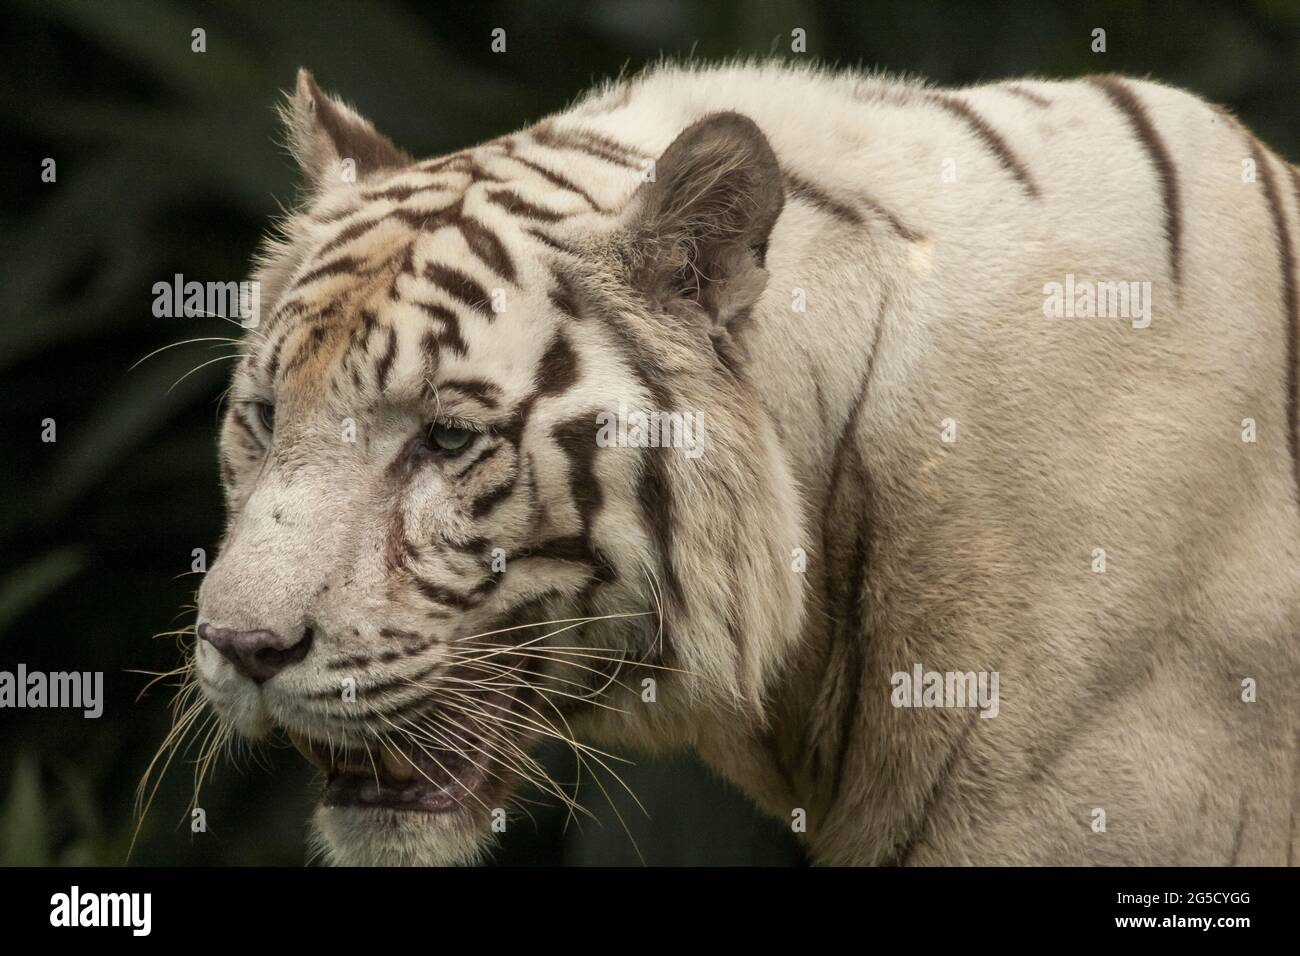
(168, 162)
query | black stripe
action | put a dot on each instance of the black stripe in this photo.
(1240, 832)
(456, 162)
(343, 265)
(331, 216)
(989, 136)
(1015, 89)
(609, 103)
(849, 638)
(1124, 99)
(348, 233)
(558, 370)
(385, 364)
(310, 344)
(1290, 308)
(551, 241)
(459, 286)
(447, 336)
(901, 230)
(655, 492)
(426, 220)
(398, 549)
(801, 188)
(485, 502)
(481, 390)
(942, 780)
(485, 244)
(586, 141)
(846, 592)
(563, 296)
(273, 363)
(403, 193)
(577, 439)
(516, 205)
(237, 415)
(487, 453)
(556, 179)
(448, 597)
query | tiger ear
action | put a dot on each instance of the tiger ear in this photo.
(331, 141)
(699, 231)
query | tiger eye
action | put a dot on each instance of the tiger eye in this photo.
(447, 438)
(266, 415)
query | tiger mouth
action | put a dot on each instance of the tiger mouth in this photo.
(397, 775)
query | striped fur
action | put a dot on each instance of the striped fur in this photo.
(526, 285)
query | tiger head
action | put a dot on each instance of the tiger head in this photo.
(454, 530)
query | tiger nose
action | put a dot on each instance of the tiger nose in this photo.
(258, 655)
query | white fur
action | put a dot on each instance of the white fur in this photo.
(1120, 691)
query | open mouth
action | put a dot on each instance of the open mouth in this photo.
(399, 775)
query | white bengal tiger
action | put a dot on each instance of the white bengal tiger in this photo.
(996, 391)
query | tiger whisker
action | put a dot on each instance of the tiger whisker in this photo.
(594, 754)
(497, 684)
(608, 799)
(505, 670)
(207, 338)
(547, 784)
(184, 714)
(542, 726)
(579, 651)
(202, 365)
(441, 767)
(573, 805)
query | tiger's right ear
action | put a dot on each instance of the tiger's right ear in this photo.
(699, 232)
(329, 140)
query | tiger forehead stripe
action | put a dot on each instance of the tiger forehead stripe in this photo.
(485, 244)
(589, 142)
(557, 179)
(516, 205)
(384, 366)
(460, 287)
(484, 392)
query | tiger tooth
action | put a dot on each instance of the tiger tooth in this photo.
(398, 766)
(352, 763)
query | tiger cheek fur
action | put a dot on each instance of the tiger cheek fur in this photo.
(414, 617)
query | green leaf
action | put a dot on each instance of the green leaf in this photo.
(33, 582)
(22, 822)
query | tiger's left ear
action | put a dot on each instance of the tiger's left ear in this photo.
(698, 233)
(324, 134)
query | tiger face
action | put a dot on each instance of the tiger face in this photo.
(433, 561)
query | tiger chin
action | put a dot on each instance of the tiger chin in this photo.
(849, 445)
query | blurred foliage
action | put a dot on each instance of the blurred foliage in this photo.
(168, 163)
